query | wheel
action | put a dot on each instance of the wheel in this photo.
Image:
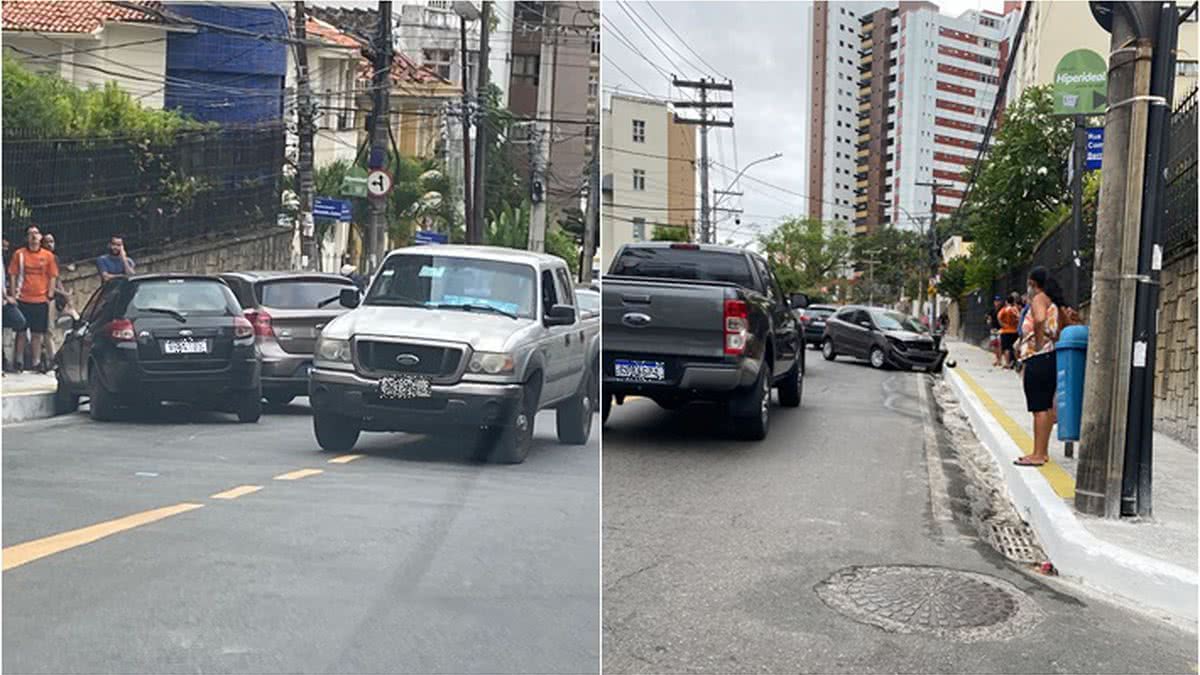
(512, 444)
(335, 433)
(278, 400)
(249, 407)
(827, 350)
(102, 404)
(878, 360)
(753, 419)
(605, 409)
(574, 418)
(792, 387)
(65, 401)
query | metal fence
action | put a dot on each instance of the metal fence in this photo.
(1054, 251)
(83, 190)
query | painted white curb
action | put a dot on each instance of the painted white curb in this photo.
(25, 406)
(1077, 553)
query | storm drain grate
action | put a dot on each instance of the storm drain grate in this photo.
(950, 604)
(1014, 542)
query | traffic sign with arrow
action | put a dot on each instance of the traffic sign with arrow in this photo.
(379, 183)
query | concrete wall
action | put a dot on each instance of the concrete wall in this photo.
(1175, 403)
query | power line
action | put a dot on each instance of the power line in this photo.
(637, 23)
(684, 42)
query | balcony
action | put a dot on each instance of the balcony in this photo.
(860, 214)
(861, 184)
(867, 27)
(864, 122)
(864, 107)
(862, 154)
(865, 91)
(865, 62)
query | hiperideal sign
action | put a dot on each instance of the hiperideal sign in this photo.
(1080, 84)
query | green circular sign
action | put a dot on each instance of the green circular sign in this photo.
(1080, 84)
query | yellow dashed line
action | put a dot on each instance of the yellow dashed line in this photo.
(237, 492)
(344, 459)
(19, 554)
(298, 474)
(1061, 481)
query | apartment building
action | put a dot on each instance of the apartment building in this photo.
(649, 180)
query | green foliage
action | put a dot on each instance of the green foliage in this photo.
(510, 228)
(670, 234)
(805, 256)
(505, 189)
(1021, 186)
(901, 268)
(953, 283)
(47, 105)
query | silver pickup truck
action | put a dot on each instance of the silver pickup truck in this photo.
(454, 340)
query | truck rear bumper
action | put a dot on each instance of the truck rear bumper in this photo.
(684, 379)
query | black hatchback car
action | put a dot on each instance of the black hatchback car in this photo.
(150, 338)
(884, 337)
(812, 320)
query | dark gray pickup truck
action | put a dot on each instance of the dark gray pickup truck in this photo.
(688, 322)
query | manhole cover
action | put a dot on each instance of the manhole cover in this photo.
(951, 604)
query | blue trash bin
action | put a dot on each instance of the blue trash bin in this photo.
(1071, 358)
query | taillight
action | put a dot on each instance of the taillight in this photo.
(736, 326)
(261, 322)
(242, 328)
(804, 318)
(121, 330)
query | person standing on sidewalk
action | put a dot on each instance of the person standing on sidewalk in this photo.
(993, 322)
(61, 306)
(1008, 317)
(115, 263)
(12, 320)
(33, 273)
(1036, 350)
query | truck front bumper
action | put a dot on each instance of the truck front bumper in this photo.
(462, 405)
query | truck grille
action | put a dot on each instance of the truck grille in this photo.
(434, 361)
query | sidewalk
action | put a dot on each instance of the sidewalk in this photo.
(1151, 561)
(27, 396)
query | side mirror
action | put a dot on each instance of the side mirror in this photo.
(799, 300)
(349, 298)
(560, 315)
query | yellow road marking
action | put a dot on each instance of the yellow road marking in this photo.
(1061, 481)
(19, 554)
(298, 474)
(344, 459)
(237, 492)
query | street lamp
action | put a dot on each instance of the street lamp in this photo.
(726, 192)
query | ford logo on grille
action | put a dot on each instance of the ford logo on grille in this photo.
(408, 359)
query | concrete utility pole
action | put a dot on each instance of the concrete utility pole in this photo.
(543, 129)
(1114, 282)
(468, 188)
(705, 85)
(304, 131)
(934, 252)
(592, 225)
(380, 125)
(481, 129)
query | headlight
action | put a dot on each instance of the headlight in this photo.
(491, 363)
(329, 349)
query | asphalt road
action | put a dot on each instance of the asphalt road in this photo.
(713, 548)
(410, 558)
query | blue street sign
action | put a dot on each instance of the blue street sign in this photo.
(1095, 148)
(334, 209)
(428, 237)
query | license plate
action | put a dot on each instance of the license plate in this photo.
(185, 346)
(404, 388)
(640, 371)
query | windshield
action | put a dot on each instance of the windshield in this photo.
(300, 294)
(589, 301)
(819, 312)
(442, 281)
(896, 321)
(187, 297)
(685, 263)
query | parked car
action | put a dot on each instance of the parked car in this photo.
(288, 311)
(686, 322)
(589, 300)
(462, 341)
(150, 338)
(812, 321)
(884, 337)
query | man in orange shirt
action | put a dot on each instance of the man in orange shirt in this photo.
(33, 274)
(1009, 318)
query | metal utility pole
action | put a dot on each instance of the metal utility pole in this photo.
(592, 225)
(1114, 283)
(704, 85)
(468, 188)
(934, 253)
(380, 123)
(305, 109)
(476, 236)
(1136, 489)
(1078, 162)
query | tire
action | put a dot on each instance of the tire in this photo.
(827, 350)
(278, 400)
(249, 407)
(606, 406)
(335, 433)
(512, 444)
(102, 404)
(574, 418)
(65, 401)
(754, 427)
(792, 387)
(878, 359)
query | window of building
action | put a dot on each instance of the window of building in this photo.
(596, 42)
(1187, 68)
(639, 131)
(593, 85)
(639, 180)
(639, 229)
(526, 65)
(440, 61)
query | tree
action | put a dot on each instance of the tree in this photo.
(901, 269)
(510, 228)
(661, 233)
(505, 189)
(805, 256)
(953, 282)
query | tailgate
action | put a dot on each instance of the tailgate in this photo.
(663, 317)
(296, 330)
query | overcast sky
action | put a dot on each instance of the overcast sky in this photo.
(762, 47)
